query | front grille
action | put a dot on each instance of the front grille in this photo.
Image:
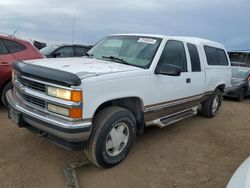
(35, 101)
(31, 84)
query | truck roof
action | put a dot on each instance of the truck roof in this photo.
(239, 51)
(194, 40)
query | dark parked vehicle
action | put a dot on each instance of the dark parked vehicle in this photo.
(240, 83)
(240, 58)
(56, 51)
(13, 49)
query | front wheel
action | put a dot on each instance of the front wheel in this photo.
(112, 137)
(210, 107)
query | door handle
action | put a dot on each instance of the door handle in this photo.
(4, 63)
(188, 80)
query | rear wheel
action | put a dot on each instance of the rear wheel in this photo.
(242, 94)
(112, 137)
(210, 107)
(7, 87)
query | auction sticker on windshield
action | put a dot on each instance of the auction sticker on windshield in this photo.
(147, 40)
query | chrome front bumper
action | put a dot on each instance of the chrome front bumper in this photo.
(69, 131)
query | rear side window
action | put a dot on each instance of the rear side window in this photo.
(174, 54)
(13, 46)
(3, 49)
(215, 56)
(194, 57)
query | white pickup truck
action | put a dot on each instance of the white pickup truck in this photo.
(126, 82)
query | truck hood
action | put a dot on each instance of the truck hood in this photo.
(83, 67)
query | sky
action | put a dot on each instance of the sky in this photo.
(87, 21)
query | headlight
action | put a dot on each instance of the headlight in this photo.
(70, 95)
(69, 112)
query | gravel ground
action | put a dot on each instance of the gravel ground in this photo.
(196, 152)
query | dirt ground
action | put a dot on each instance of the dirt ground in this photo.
(196, 152)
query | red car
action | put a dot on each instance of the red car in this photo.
(13, 49)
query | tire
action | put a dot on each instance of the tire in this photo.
(242, 94)
(7, 87)
(208, 107)
(100, 148)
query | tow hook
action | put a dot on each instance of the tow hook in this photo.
(70, 173)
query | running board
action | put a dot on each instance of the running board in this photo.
(165, 121)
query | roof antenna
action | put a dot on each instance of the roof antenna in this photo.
(14, 33)
(73, 30)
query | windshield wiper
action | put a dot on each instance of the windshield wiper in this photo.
(116, 59)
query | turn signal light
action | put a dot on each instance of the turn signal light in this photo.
(75, 113)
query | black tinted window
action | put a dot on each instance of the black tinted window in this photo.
(215, 56)
(248, 60)
(174, 54)
(65, 52)
(194, 57)
(80, 51)
(13, 46)
(222, 57)
(3, 49)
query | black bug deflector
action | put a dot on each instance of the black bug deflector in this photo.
(47, 74)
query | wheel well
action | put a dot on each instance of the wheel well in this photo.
(5, 83)
(133, 104)
(222, 88)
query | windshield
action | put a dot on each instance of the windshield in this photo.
(48, 49)
(137, 51)
(240, 73)
(237, 57)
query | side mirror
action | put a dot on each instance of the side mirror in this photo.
(167, 69)
(56, 54)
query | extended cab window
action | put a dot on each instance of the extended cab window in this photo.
(13, 46)
(194, 57)
(215, 56)
(174, 54)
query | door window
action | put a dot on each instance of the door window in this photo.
(174, 54)
(65, 52)
(80, 51)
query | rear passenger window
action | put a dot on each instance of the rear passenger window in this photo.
(3, 49)
(194, 57)
(215, 56)
(13, 46)
(174, 54)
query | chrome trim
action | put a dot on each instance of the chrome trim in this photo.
(45, 116)
(44, 110)
(163, 105)
(54, 85)
(46, 98)
(160, 121)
